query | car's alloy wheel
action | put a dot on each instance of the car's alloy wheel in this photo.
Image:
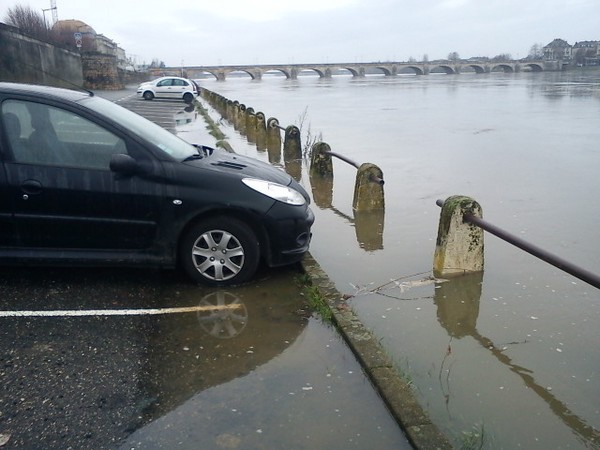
(220, 251)
(148, 95)
(187, 97)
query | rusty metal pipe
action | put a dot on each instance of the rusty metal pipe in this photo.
(556, 261)
(372, 177)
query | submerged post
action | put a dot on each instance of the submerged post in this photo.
(292, 148)
(250, 125)
(368, 189)
(459, 245)
(261, 131)
(320, 161)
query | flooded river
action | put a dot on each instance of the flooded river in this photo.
(511, 354)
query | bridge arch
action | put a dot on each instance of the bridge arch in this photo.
(447, 69)
(506, 68)
(353, 71)
(477, 68)
(253, 75)
(535, 67)
(287, 73)
(410, 70)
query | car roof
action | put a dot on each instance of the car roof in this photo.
(170, 76)
(43, 91)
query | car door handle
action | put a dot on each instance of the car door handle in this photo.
(31, 187)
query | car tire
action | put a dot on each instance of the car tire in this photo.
(148, 95)
(220, 251)
(188, 98)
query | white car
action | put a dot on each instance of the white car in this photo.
(169, 87)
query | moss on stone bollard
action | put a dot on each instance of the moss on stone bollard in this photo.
(261, 131)
(368, 194)
(459, 245)
(320, 161)
(242, 119)
(292, 148)
(250, 125)
(273, 141)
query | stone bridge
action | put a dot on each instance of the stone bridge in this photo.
(291, 71)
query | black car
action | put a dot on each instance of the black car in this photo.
(85, 181)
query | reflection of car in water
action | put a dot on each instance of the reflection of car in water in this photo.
(190, 353)
(228, 318)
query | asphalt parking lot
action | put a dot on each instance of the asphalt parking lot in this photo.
(144, 359)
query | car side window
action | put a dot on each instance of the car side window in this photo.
(46, 135)
(167, 82)
(179, 83)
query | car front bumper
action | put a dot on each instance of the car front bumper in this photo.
(289, 238)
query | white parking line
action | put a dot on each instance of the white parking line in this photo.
(114, 312)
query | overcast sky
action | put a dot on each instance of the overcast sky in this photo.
(214, 32)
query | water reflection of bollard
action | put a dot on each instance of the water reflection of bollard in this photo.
(322, 190)
(368, 194)
(273, 141)
(292, 148)
(457, 302)
(368, 226)
(261, 131)
(459, 245)
(250, 125)
(320, 161)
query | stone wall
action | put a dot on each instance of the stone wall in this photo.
(100, 71)
(27, 60)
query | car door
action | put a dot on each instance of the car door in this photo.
(64, 194)
(179, 87)
(7, 226)
(164, 88)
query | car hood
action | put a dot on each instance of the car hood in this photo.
(247, 167)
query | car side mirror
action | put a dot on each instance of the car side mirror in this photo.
(124, 164)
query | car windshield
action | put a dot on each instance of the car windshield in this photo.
(169, 143)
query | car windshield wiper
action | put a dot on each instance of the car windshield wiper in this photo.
(193, 157)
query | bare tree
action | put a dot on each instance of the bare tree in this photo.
(453, 56)
(28, 21)
(536, 51)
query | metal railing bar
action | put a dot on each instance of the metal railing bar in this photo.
(372, 177)
(550, 258)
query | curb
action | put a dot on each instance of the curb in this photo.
(396, 393)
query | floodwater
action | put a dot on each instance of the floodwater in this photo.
(505, 359)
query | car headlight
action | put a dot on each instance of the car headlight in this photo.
(276, 191)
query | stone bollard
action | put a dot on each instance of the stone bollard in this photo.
(320, 161)
(292, 148)
(250, 125)
(368, 192)
(235, 115)
(261, 131)
(242, 119)
(230, 111)
(459, 245)
(273, 141)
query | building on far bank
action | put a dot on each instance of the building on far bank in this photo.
(586, 53)
(583, 53)
(558, 49)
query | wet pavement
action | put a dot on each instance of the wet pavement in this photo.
(161, 363)
(248, 369)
